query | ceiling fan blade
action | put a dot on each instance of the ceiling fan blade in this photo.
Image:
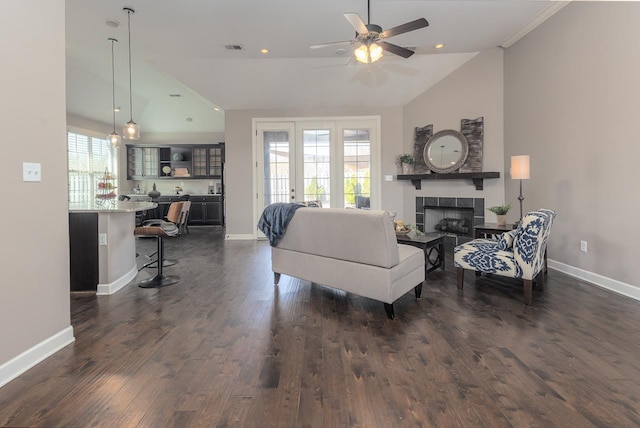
(357, 23)
(324, 45)
(405, 28)
(395, 49)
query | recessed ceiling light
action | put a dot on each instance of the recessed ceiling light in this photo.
(189, 119)
(439, 46)
(340, 51)
(216, 108)
(116, 109)
(112, 23)
(264, 50)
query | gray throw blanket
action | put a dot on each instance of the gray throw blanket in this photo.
(275, 219)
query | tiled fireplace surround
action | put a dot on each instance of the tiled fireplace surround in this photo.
(442, 204)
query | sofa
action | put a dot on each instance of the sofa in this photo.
(351, 250)
(520, 253)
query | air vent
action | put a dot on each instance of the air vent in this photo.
(175, 95)
(233, 47)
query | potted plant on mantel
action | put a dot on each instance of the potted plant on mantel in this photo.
(501, 213)
(406, 163)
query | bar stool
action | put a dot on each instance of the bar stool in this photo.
(160, 279)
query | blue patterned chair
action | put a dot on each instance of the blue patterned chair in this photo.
(517, 254)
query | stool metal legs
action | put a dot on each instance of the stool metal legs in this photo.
(160, 280)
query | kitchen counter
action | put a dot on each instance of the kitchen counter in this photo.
(102, 245)
(118, 207)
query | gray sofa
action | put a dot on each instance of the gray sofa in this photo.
(352, 250)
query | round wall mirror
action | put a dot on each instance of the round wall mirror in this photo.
(446, 151)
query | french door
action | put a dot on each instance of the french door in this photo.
(335, 162)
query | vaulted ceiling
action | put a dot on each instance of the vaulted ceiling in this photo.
(178, 48)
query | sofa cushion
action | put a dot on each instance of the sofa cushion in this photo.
(360, 236)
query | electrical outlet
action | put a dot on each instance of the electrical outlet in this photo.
(583, 246)
(103, 239)
(31, 171)
(388, 178)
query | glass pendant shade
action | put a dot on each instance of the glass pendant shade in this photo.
(115, 139)
(131, 130)
(368, 53)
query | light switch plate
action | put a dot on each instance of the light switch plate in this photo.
(31, 171)
(388, 178)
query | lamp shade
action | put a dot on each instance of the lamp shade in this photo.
(520, 167)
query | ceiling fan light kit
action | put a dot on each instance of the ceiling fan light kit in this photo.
(370, 37)
(131, 130)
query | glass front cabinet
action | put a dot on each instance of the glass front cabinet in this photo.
(175, 161)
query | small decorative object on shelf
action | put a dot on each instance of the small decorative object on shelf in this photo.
(106, 188)
(406, 163)
(401, 228)
(501, 213)
(178, 189)
(154, 194)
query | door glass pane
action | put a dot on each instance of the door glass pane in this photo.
(276, 183)
(357, 168)
(317, 165)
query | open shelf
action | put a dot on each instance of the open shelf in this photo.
(476, 177)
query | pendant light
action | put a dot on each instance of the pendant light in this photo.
(114, 138)
(131, 130)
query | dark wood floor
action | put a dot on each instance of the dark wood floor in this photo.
(225, 348)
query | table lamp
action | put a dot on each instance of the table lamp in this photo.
(520, 171)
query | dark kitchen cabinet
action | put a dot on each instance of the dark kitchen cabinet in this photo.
(206, 210)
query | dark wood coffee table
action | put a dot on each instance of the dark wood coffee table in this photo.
(433, 246)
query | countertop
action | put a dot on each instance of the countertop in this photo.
(118, 207)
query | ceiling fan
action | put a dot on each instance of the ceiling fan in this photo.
(371, 37)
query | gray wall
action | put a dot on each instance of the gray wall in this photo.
(34, 295)
(473, 90)
(571, 102)
(239, 170)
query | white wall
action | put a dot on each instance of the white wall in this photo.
(239, 169)
(473, 90)
(34, 292)
(571, 103)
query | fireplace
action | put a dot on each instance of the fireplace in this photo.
(452, 216)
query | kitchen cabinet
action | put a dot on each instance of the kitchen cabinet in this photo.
(207, 210)
(208, 161)
(175, 161)
(142, 162)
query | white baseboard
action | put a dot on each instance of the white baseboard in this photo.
(29, 358)
(239, 237)
(596, 279)
(112, 287)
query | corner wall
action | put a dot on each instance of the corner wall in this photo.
(571, 103)
(473, 90)
(34, 294)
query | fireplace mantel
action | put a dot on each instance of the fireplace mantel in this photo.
(476, 177)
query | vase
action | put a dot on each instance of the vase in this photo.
(406, 168)
(154, 194)
(502, 220)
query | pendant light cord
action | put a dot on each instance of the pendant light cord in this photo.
(113, 85)
(368, 11)
(130, 93)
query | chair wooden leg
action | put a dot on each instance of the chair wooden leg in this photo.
(460, 283)
(526, 286)
(276, 278)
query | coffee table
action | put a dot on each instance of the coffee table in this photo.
(433, 246)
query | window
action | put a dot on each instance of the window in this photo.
(357, 168)
(317, 165)
(89, 157)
